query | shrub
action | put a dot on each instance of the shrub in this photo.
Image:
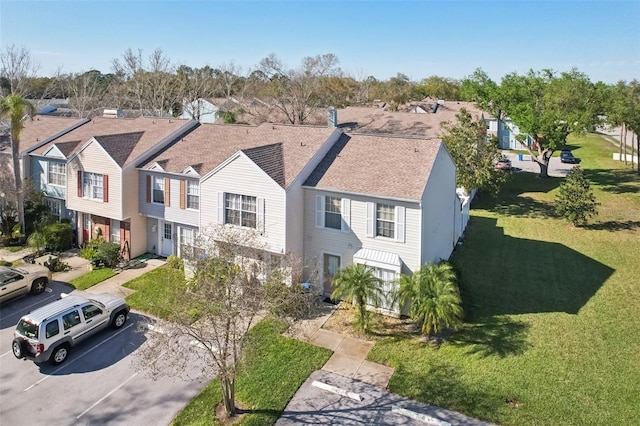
(99, 252)
(175, 262)
(575, 201)
(5, 263)
(58, 236)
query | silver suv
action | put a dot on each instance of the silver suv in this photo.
(15, 282)
(49, 332)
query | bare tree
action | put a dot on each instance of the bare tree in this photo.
(18, 67)
(228, 77)
(194, 86)
(210, 315)
(86, 90)
(296, 92)
(150, 86)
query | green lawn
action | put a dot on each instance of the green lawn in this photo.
(152, 288)
(553, 332)
(274, 370)
(92, 278)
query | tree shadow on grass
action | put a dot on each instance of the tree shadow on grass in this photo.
(615, 181)
(500, 336)
(506, 275)
(614, 225)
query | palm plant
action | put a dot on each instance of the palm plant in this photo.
(358, 284)
(434, 297)
(15, 107)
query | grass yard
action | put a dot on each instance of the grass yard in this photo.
(92, 278)
(152, 288)
(273, 371)
(553, 312)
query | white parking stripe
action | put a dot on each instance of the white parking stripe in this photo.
(114, 390)
(6, 353)
(106, 396)
(53, 373)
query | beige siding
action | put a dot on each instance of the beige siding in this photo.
(138, 235)
(129, 191)
(242, 176)
(94, 159)
(439, 205)
(345, 244)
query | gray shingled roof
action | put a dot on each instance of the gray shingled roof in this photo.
(120, 146)
(269, 158)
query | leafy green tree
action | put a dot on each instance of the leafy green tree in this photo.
(439, 88)
(474, 156)
(575, 200)
(545, 106)
(434, 297)
(16, 108)
(358, 285)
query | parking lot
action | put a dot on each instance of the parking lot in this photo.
(556, 167)
(98, 383)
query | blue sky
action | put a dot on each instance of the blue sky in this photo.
(379, 38)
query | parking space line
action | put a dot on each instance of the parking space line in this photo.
(106, 396)
(6, 353)
(115, 389)
(53, 373)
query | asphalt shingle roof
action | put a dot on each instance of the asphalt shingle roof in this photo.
(386, 166)
(124, 139)
(39, 129)
(284, 149)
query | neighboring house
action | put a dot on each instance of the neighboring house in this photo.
(101, 181)
(506, 131)
(388, 202)
(249, 177)
(203, 110)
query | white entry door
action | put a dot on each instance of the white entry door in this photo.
(166, 238)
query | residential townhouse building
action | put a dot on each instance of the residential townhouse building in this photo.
(38, 131)
(388, 202)
(240, 176)
(100, 179)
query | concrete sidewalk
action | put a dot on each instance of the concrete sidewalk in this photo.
(349, 354)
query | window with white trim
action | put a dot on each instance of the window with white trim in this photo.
(332, 212)
(55, 208)
(388, 278)
(240, 210)
(158, 189)
(193, 195)
(385, 220)
(114, 231)
(187, 240)
(92, 186)
(57, 173)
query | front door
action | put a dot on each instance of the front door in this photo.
(330, 269)
(86, 227)
(166, 235)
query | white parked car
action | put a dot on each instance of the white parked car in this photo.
(15, 282)
(49, 332)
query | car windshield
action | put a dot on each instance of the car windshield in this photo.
(27, 329)
(19, 271)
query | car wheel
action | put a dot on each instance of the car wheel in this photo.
(119, 319)
(38, 286)
(59, 354)
(18, 348)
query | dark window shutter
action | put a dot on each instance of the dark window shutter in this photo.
(105, 188)
(80, 183)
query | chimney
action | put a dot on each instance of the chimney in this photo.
(332, 117)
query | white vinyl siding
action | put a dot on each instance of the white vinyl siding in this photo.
(57, 174)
